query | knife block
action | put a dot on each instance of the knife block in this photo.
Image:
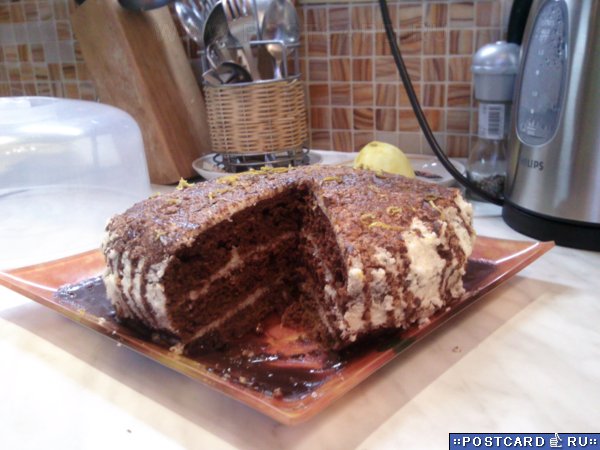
(138, 64)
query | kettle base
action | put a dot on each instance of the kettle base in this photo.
(581, 235)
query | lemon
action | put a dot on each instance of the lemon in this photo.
(383, 157)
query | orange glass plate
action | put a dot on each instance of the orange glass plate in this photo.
(275, 370)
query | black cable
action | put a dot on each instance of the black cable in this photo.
(414, 101)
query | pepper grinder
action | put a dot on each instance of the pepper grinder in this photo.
(494, 68)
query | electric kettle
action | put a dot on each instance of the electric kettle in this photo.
(553, 173)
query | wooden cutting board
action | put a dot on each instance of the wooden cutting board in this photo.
(138, 64)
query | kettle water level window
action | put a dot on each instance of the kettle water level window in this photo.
(544, 76)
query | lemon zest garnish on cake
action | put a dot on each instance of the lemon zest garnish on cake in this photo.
(266, 169)
(159, 233)
(216, 192)
(230, 179)
(174, 201)
(374, 188)
(385, 226)
(154, 195)
(393, 210)
(183, 184)
(334, 178)
(367, 218)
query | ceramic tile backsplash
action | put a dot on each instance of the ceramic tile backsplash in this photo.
(354, 92)
(38, 53)
(364, 93)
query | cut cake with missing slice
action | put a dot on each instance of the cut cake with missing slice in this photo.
(344, 252)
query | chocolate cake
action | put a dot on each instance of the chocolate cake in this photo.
(342, 253)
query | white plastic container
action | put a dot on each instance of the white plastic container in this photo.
(66, 166)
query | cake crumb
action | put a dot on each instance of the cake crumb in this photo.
(177, 349)
(248, 353)
(457, 349)
(259, 329)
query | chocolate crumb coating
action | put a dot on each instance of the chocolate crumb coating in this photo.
(339, 251)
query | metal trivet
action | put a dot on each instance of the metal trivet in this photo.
(241, 162)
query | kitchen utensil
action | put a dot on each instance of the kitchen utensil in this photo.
(215, 25)
(214, 56)
(155, 85)
(242, 27)
(260, 6)
(211, 78)
(231, 72)
(226, 72)
(494, 69)
(218, 55)
(553, 183)
(192, 19)
(143, 5)
(280, 23)
(215, 33)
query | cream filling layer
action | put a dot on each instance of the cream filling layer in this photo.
(235, 262)
(128, 294)
(247, 302)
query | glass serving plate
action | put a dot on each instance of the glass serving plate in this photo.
(274, 370)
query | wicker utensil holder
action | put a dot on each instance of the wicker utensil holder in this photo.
(263, 117)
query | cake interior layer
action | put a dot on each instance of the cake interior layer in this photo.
(323, 280)
(219, 275)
